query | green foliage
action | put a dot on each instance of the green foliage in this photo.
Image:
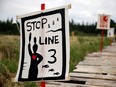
(9, 57)
(9, 46)
(30, 84)
(11, 65)
(8, 27)
(87, 29)
(4, 75)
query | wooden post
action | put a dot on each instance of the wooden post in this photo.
(110, 41)
(101, 45)
(43, 83)
(43, 6)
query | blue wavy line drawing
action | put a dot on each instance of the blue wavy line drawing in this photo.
(54, 30)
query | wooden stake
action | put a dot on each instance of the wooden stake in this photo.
(43, 6)
(110, 41)
(101, 45)
(69, 6)
(43, 83)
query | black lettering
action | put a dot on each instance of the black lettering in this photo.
(48, 25)
(38, 25)
(57, 19)
(52, 56)
(51, 39)
(56, 39)
(53, 22)
(44, 21)
(48, 40)
(33, 24)
(40, 41)
(28, 25)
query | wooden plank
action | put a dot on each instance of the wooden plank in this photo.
(63, 84)
(108, 54)
(114, 44)
(95, 69)
(101, 57)
(87, 70)
(109, 50)
(97, 82)
(66, 84)
(71, 85)
(95, 54)
(98, 63)
(101, 67)
(102, 83)
(110, 47)
(100, 60)
(52, 85)
(93, 76)
(99, 54)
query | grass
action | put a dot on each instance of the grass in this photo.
(9, 56)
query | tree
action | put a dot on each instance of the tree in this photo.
(8, 27)
(87, 29)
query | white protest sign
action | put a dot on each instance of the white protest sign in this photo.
(103, 21)
(110, 32)
(44, 51)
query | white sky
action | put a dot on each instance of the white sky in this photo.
(82, 10)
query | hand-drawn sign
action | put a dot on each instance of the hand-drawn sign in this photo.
(110, 32)
(44, 52)
(103, 21)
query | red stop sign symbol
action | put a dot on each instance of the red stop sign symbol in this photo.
(105, 19)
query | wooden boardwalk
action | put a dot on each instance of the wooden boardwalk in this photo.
(97, 70)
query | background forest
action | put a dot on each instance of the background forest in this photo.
(9, 28)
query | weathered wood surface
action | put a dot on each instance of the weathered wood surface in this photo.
(97, 70)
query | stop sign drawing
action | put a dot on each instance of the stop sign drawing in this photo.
(44, 49)
(103, 21)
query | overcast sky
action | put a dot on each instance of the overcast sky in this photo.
(82, 10)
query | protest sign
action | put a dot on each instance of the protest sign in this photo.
(44, 49)
(103, 21)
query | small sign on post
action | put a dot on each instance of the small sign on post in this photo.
(44, 49)
(110, 32)
(103, 23)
